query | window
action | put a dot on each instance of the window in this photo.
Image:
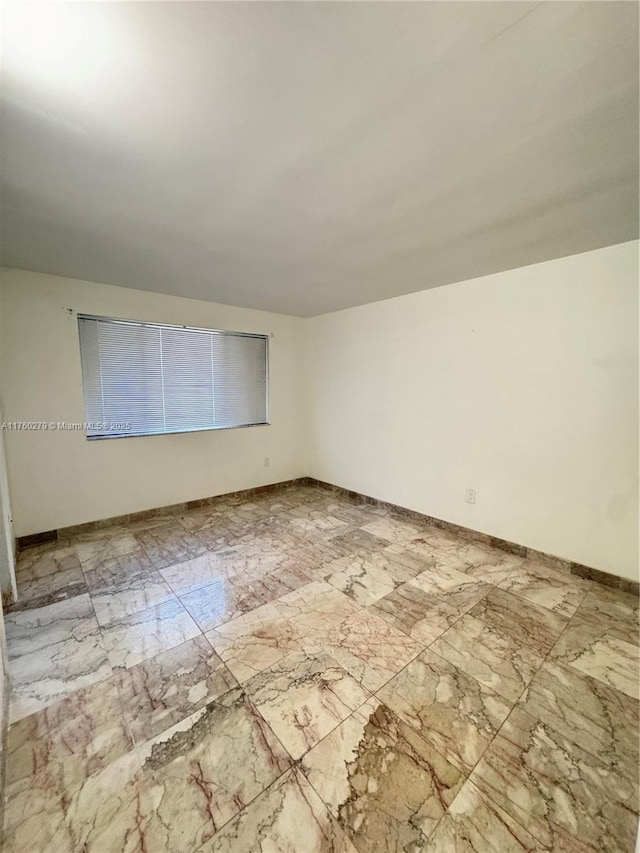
(148, 379)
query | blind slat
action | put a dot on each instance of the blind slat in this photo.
(160, 379)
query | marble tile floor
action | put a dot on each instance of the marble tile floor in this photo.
(297, 671)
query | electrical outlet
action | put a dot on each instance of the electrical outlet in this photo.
(470, 496)
(266, 462)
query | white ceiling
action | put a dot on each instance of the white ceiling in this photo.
(306, 157)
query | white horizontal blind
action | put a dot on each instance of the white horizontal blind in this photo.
(146, 379)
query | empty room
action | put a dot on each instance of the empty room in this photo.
(319, 446)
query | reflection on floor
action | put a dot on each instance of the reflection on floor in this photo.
(299, 672)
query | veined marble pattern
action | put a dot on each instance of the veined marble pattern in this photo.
(356, 539)
(52, 752)
(523, 621)
(359, 577)
(169, 544)
(289, 816)
(213, 567)
(601, 720)
(318, 523)
(143, 635)
(421, 615)
(315, 607)
(555, 789)
(595, 648)
(551, 588)
(164, 690)
(483, 562)
(254, 641)
(203, 770)
(287, 577)
(381, 780)
(458, 589)
(452, 711)
(367, 647)
(130, 597)
(218, 602)
(614, 609)
(53, 651)
(110, 811)
(50, 588)
(394, 530)
(118, 571)
(42, 560)
(93, 553)
(474, 823)
(303, 698)
(296, 671)
(491, 657)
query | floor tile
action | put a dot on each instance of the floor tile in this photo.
(109, 812)
(289, 816)
(314, 554)
(303, 698)
(92, 554)
(421, 615)
(452, 711)
(216, 567)
(493, 658)
(434, 544)
(483, 562)
(267, 545)
(458, 589)
(51, 753)
(219, 602)
(253, 642)
(594, 648)
(403, 563)
(381, 780)
(52, 587)
(145, 634)
(38, 561)
(523, 621)
(393, 530)
(474, 824)
(318, 523)
(355, 514)
(169, 544)
(613, 608)
(601, 720)
(551, 588)
(361, 577)
(113, 572)
(357, 539)
(201, 772)
(370, 649)
(165, 689)
(43, 829)
(132, 596)
(53, 651)
(315, 606)
(220, 534)
(286, 578)
(554, 789)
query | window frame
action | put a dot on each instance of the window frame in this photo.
(176, 326)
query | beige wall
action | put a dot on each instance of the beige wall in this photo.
(521, 385)
(60, 478)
